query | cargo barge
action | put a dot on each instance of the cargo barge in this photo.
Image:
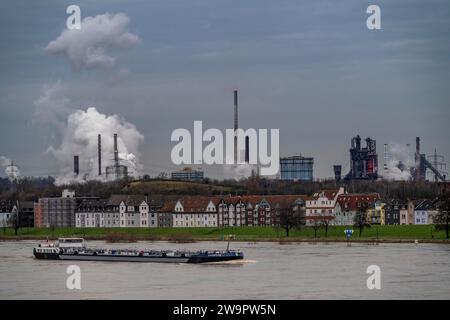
(75, 249)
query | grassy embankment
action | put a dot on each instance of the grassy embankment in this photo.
(380, 233)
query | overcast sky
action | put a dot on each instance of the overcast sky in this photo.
(310, 68)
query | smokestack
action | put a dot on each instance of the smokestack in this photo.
(418, 146)
(99, 154)
(386, 159)
(247, 151)
(236, 125)
(116, 151)
(76, 165)
(337, 172)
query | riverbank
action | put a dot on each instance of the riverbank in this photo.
(382, 234)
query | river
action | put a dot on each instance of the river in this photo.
(270, 271)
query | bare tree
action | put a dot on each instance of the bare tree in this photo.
(325, 222)
(360, 221)
(442, 219)
(291, 217)
(14, 219)
(316, 224)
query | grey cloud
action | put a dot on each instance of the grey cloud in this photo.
(87, 48)
(52, 107)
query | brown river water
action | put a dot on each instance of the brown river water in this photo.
(270, 271)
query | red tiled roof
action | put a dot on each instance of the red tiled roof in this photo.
(330, 194)
(353, 199)
(200, 203)
(195, 203)
(168, 206)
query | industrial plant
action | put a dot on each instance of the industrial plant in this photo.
(115, 171)
(364, 164)
(422, 164)
(400, 163)
(363, 161)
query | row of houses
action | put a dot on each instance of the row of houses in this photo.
(336, 207)
(195, 211)
(341, 208)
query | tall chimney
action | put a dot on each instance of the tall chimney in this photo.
(418, 161)
(386, 159)
(337, 172)
(76, 165)
(247, 149)
(116, 151)
(236, 125)
(99, 154)
(418, 146)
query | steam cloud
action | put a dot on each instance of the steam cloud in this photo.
(87, 47)
(11, 171)
(53, 107)
(76, 130)
(238, 171)
(80, 138)
(399, 154)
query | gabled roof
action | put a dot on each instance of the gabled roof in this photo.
(129, 200)
(200, 203)
(195, 204)
(285, 200)
(329, 194)
(168, 206)
(350, 201)
(426, 204)
(397, 202)
(93, 204)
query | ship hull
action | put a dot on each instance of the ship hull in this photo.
(46, 255)
(161, 259)
(123, 258)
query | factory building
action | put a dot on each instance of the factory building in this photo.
(422, 164)
(363, 161)
(116, 171)
(188, 174)
(296, 168)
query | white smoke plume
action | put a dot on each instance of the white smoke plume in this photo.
(80, 138)
(399, 154)
(11, 171)
(87, 47)
(52, 108)
(237, 171)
